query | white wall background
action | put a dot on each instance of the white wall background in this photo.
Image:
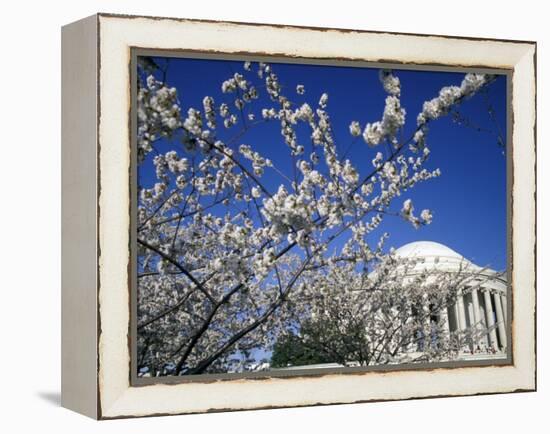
(30, 216)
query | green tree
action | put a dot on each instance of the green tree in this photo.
(290, 350)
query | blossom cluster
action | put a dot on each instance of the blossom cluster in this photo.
(393, 118)
(390, 82)
(158, 113)
(258, 162)
(407, 211)
(287, 213)
(450, 95)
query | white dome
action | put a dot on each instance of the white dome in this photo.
(425, 249)
(431, 254)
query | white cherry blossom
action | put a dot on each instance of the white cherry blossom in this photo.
(233, 249)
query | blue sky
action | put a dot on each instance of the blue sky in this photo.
(468, 201)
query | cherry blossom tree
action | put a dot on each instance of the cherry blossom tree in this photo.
(227, 262)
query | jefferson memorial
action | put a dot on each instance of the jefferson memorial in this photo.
(479, 313)
(483, 307)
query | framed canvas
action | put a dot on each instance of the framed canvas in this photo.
(262, 216)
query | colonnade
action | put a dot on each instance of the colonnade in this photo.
(483, 312)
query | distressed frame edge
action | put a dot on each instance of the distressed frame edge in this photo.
(306, 27)
(529, 386)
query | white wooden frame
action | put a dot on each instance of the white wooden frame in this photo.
(96, 194)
